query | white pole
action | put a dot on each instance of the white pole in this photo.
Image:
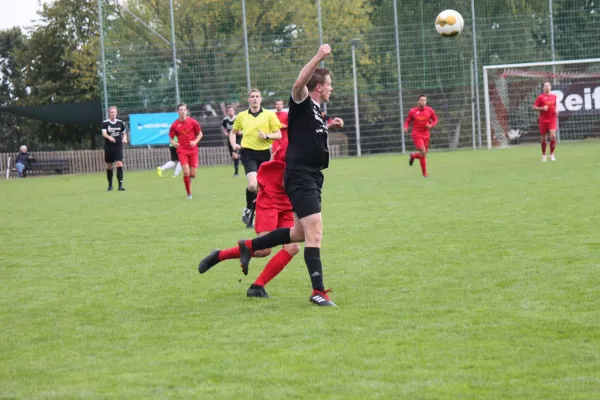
(473, 104)
(488, 126)
(8, 167)
(550, 6)
(246, 46)
(321, 41)
(552, 38)
(354, 42)
(102, 58)
(476, 71)
(399, 77)
(173, 47)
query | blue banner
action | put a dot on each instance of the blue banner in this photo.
(150, 129)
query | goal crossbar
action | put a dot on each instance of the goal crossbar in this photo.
(542, 63)
(486, 89)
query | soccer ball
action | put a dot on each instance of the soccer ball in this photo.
(449, 23)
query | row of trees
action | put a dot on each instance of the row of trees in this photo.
(57, 60)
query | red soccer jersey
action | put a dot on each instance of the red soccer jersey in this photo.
(186, 132)
(420, 118)
(283, 118)
(271, 193)
(550, 101)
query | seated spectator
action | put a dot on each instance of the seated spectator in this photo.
(22, 161)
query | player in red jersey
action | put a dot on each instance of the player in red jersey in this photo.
(546, 105)
(282, 116)
(188, 133)
(273, 211)
(423, 118)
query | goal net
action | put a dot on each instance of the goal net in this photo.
(511, 90)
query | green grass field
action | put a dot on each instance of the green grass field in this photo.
(481, 282)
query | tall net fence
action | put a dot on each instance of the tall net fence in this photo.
(282, 37)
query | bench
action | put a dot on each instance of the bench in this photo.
(47, 167)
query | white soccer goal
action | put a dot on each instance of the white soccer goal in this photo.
(510, 91)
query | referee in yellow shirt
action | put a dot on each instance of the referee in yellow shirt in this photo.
(260, 128)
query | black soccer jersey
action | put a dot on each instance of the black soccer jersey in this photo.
(228, 124)
(307, 137)
(115, 130)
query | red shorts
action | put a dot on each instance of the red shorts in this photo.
(546, 126)
(186, 158)
(421, 142)
(269, 219)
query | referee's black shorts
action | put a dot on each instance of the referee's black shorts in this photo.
(112, 155)
(304, 191)
(174, 156)
(252, 159)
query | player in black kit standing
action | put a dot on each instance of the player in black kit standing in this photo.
(307, 155)
(114, 132)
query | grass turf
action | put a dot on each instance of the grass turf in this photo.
(480, 282)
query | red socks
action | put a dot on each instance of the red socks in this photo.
(187, 182)
(544, 148)
(423, 162)
(273, 267)
(416, 156)
(552, 146)
(229, 254)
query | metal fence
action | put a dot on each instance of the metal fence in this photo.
(156, 53)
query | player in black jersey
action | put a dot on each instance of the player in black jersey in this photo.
(307, 155)
(114, 132)
(227, 126)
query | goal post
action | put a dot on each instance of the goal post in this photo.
(511, 89)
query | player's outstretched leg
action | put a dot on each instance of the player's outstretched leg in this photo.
(413, 157)
(216, 256)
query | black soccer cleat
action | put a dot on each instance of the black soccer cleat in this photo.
(121, 188)
(110, 188)
(411, 160)
(245, 256)
(321, 298)
(257, 291)
(246, 215)
(209, 261)
(250, 223)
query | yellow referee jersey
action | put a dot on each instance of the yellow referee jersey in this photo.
(266, 122)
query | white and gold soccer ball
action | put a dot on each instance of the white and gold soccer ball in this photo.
(449, 23)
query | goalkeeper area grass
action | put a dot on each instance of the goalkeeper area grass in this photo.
(480, 282)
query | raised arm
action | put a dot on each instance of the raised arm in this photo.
(300, 91)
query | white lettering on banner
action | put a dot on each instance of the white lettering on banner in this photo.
(154, 126)
(575, 102)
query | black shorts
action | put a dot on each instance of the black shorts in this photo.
(304, 190)
(173, 152)
(113, 155)
(252, 159)
(238, 140)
